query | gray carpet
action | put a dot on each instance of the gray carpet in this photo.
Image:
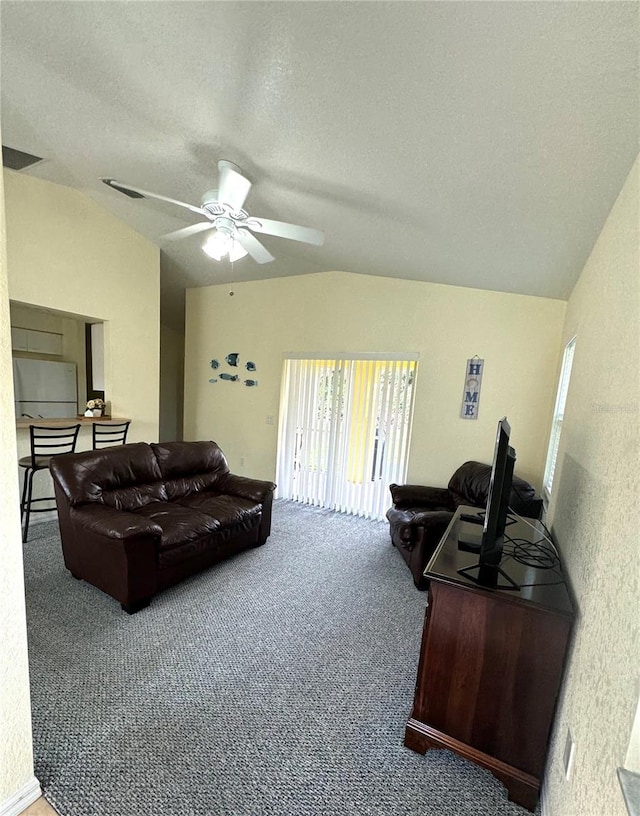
(277, 683)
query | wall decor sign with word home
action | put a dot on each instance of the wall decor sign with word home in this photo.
(471, 392)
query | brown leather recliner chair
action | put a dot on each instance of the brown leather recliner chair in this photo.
(420, 514)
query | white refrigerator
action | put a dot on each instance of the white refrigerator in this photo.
(44, 389)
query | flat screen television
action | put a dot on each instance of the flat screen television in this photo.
(487, 570)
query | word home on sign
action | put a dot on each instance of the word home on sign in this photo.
(471, 391)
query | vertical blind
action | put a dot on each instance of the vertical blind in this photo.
(345, 427)
(558, 416)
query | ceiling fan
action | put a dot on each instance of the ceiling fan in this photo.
(233, 227)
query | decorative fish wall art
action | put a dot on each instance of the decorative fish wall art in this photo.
(233, 360)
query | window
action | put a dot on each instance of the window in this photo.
(345, 427)
(558, 416)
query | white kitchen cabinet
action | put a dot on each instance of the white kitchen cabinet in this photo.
(37, 342)
(18, 339)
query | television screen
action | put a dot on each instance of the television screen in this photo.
(495, 519)
(496, 514)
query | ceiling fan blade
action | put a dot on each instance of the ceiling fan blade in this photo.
(186, 231)
(136, 192)
(233, 187)
(308, 235)
(258, 252)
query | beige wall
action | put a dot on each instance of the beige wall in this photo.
(518, 336)
(16, 759)
(594, 513)
(67, 254)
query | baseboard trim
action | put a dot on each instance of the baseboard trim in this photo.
(21, 799)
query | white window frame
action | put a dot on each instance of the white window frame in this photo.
(558, 418)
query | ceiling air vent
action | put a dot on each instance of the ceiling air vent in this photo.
(16, 159)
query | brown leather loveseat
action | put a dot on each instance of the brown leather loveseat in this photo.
(420, 514)
(137, 518)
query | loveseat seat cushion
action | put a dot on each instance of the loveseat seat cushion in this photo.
(232, 512)
(189, 467)
(178, 524)
(126, 477)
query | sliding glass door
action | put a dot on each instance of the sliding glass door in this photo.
(345, 429)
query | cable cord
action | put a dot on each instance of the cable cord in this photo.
(537, 554)
(545, 537)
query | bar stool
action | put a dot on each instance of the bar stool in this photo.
(45, 443)
(105, 435)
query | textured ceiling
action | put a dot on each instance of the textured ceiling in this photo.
(471, 143)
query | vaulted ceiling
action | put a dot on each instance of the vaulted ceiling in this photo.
(471, 143)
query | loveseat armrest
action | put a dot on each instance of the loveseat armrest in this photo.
(114, 550)
(111, 523)
(409, 495)
(252, 489)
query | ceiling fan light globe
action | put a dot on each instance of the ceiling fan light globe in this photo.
(217, 245)
(237, 251)
(221, 243)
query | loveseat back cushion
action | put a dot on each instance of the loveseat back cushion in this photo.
(125, 476)
(470, 485)
(189, 467)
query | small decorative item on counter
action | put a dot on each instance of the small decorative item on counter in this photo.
(95, 407)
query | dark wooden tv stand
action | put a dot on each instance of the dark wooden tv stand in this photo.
(491, 663)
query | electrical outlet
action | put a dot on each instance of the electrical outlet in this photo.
(270, 419)
(569, 751)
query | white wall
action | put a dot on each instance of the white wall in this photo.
(594, 513)
(67, 254)
(16, 757)
(518, 336)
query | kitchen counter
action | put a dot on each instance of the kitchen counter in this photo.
(25, 422)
